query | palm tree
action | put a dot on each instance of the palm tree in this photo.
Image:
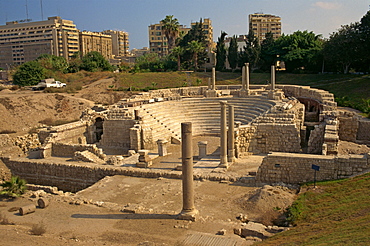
(171, 30)
(195, 47)
(178, 51)
(14, 188)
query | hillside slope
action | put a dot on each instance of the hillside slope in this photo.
(335, 213)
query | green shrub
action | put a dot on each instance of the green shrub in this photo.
(14, 188)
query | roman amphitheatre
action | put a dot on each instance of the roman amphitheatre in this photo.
(113, 177)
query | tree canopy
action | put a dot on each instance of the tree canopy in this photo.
(232, 56)
(171, 30)
(221, 52)
(94, 61)
(29, 73)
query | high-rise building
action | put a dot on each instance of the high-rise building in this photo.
(120, 43)
(157, 40)
(25, 41)
(261, 24)
(208, 31)
(96, 41)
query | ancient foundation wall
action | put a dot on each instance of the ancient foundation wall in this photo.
(68, 150)
(72, 133)
(353, 127)
(326, 98)
(74, 176)
(297, 168)
(348, 125)
(363, 132)
(316, 139)
(116, 133)
(267, 137)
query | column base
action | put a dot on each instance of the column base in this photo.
(243, 93)
(210, 93)
(223, 165)
(189, 215)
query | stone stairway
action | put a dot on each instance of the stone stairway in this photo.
(87, 156)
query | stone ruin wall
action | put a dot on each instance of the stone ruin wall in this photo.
(116, 134)
(297, 168)
(74, 177)
(72, 133)
(19, 145)
(68, 150)
(264, 138)
(353, 127)
(316, 139)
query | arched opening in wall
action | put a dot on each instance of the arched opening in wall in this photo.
(312, 108)
(98, 128)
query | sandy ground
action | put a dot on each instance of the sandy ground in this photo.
(158, 202)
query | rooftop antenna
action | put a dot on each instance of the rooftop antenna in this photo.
(27, 9)
(42, 12)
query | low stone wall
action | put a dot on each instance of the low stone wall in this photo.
(297, 168)
(76, 176)
(348, 125)
(68, 150)
(363, 132)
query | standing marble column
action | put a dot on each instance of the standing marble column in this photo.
(231, 136)
(213, 78)
(223, 137)
(247, 77)
(188, 211)
(243, 78)
(273, 78)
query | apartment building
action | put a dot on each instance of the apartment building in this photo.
(120, 42)
(25, 41)
(96, 41)
(208, 30)
(263, 23)
(157, 40)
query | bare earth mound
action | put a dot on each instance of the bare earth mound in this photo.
(23, 110)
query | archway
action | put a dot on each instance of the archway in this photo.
(98, 128)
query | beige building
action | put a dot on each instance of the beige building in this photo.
(264, 23)
(120, 43)
(96, 41)
(208, 30)
(25, 41)
(157, 40)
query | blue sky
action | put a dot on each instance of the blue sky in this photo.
(134, 16)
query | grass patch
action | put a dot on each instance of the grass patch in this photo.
(336, 213)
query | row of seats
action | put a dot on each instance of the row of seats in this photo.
(165, 118)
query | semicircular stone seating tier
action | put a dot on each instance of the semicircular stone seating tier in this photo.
(165, 118)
